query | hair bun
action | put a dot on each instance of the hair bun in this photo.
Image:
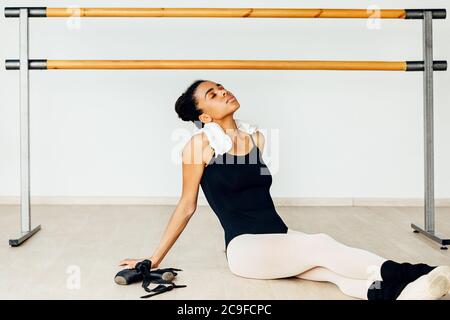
(186, 104)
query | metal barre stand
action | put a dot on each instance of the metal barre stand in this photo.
(429, 229)
(24, 101)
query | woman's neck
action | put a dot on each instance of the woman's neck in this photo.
(229, 126)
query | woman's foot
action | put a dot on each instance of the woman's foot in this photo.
(448, 277)
(430, 286)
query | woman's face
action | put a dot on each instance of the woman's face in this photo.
(215, 101)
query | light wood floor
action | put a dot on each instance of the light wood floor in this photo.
(95, 238)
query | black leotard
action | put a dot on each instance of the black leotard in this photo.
(237, 189)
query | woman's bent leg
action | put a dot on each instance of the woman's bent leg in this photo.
(356, 288)
(279, 255)
(347, 261)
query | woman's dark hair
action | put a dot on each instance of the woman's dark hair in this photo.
(186, 105)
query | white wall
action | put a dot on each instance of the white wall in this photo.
(111, 133)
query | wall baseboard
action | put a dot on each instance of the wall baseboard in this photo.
(279, 201)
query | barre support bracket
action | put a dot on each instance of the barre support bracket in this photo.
(420, 13)
(33, 12)
(429, 229)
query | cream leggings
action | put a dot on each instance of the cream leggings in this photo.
(316, 257)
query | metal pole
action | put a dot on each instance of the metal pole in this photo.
(24, 125)
(25, 212)
(429, 207)
(428, 122)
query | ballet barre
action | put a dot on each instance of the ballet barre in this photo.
(43, 12)
(228, 64)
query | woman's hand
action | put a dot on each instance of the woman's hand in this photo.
(131, 263)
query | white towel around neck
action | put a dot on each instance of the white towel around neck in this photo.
(219, 140)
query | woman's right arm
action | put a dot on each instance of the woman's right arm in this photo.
(193, 166)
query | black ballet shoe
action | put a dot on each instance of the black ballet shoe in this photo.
(167, 274)
(129, 276)
(392, 271)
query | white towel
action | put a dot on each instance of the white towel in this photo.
(219, 140)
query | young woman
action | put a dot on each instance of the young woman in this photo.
(259, 245)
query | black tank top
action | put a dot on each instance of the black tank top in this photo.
(237, 189)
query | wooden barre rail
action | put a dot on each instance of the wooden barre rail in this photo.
(11, 12)
(229, 64)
